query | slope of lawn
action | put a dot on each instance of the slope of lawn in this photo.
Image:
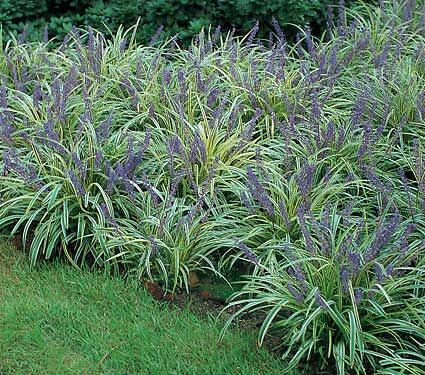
(56, 320)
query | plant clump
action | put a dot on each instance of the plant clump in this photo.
(300, 163)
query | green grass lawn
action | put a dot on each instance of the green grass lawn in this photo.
(56, 320)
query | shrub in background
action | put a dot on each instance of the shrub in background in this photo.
(30, 18)
(186, 18)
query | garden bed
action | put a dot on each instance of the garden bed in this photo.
(300, 166)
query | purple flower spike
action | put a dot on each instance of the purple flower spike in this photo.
(6, 130)
(344, 276)
(156, 35)
(37, 95)
(252, 34)
(166, 76)
(380, 277)
(216, 34)
(198, 151)
(102, 131)
(305, 179)
(76, 183)
(109, 219)
(320, 300)
(383, 235)
(297, 273)
(26, 171)
(98, 159)
(358, 295)
(259, 193)
(123, 45)
(79, 164)
(278, 30)
(284, 213)
(249, 255)
(299, 297)
(212, 97)
(354, 261)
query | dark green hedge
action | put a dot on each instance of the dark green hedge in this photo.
(185, 17)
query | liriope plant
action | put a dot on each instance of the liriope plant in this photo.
(346, 295)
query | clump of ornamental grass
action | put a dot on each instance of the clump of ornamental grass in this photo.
(348, 294)
(165, 237)
(60, 185)
(302, 162)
